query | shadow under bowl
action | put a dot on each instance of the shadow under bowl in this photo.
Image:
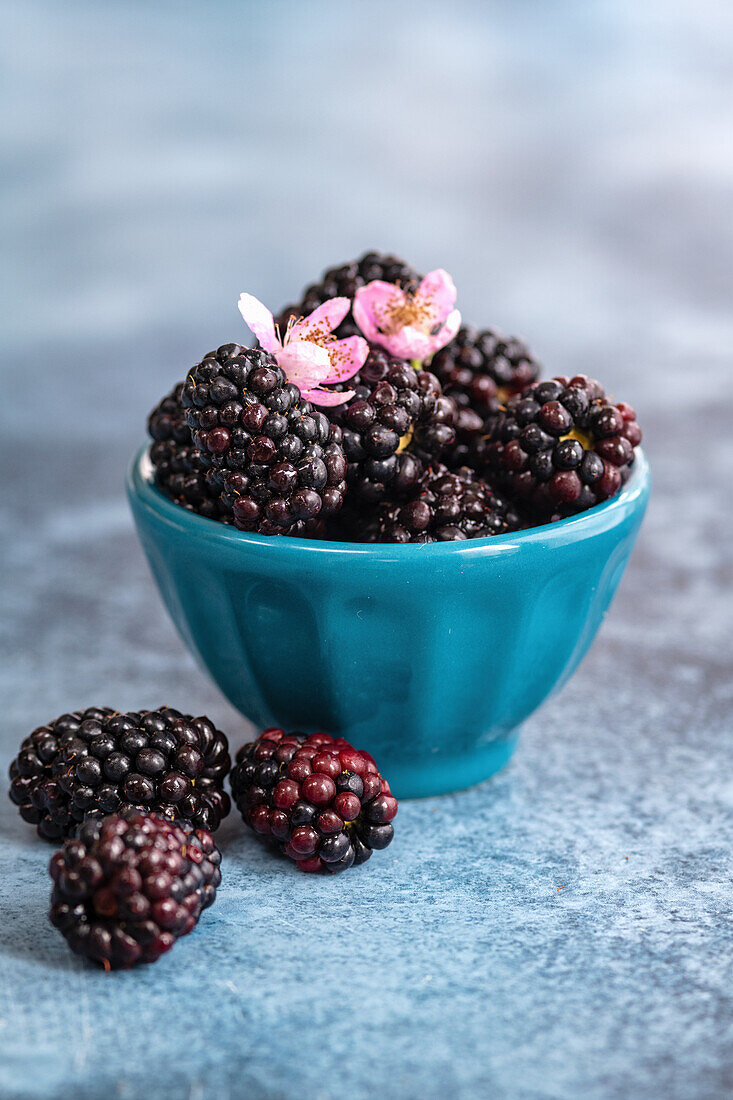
(428, 656)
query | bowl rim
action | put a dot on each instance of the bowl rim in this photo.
(141, 487)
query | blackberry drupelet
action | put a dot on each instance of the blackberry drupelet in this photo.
(448, 506)
(179, 469)
(271, 457)
(98, 761)
(345, 280)
(130, 885)
(322, 802)
(563, 446)
(397, 421)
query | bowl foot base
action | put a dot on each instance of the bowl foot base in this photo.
(425, 778)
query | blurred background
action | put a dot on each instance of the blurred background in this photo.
(571, 165)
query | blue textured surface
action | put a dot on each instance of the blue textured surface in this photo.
(392, 647)
(562, 931)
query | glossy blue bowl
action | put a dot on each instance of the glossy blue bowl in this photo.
(429, 656)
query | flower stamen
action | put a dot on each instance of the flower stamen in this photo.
(409, 311)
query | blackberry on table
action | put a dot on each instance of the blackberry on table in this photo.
(322, 802)
(397, 421)
(563, 446)
(129, 885)
(343, 282)
(99, 761)
(448, 506)
(270, 456)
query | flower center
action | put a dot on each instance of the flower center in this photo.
(405, 311)
(582, 437)
(405, 441)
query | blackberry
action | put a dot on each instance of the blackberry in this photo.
(180, 472)
(344, 281)
(562, 446)
(397, 420)
(271, 459)
(479, 369)
(98, 761)
(324, 804)
(448, 506)
(130, 885)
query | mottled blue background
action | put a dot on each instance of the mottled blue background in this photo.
(563, 930)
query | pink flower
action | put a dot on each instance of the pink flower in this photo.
(309, 353)
(409, 325)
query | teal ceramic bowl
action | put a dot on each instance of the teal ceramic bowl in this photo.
(429, 656)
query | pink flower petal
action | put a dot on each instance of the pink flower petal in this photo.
(437, 293)
(374, 302)
(258, 318)
(408, 343)
(364, 318)
(324, 319)
(304, 363)
(382, 295)
(447, 331)
(327, 397)
(347, 357)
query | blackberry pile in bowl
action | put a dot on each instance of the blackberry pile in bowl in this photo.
(446, 512)
(436, 432)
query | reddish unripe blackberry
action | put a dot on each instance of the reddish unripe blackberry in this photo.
(271, 458)
(563, 446)
(397, 421)
(322, 802)
(448, 506)
(128, 886)
(345, 280)
(480, 369)
(99, 761)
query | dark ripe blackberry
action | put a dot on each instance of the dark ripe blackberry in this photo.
(272, 461)
(344, 281)
(397, 421)
(448, 506)
(479, 370)
(130, 885)
(563, 446)
(473, 432)
(98, 761)
(323, 803)
(179, 469)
